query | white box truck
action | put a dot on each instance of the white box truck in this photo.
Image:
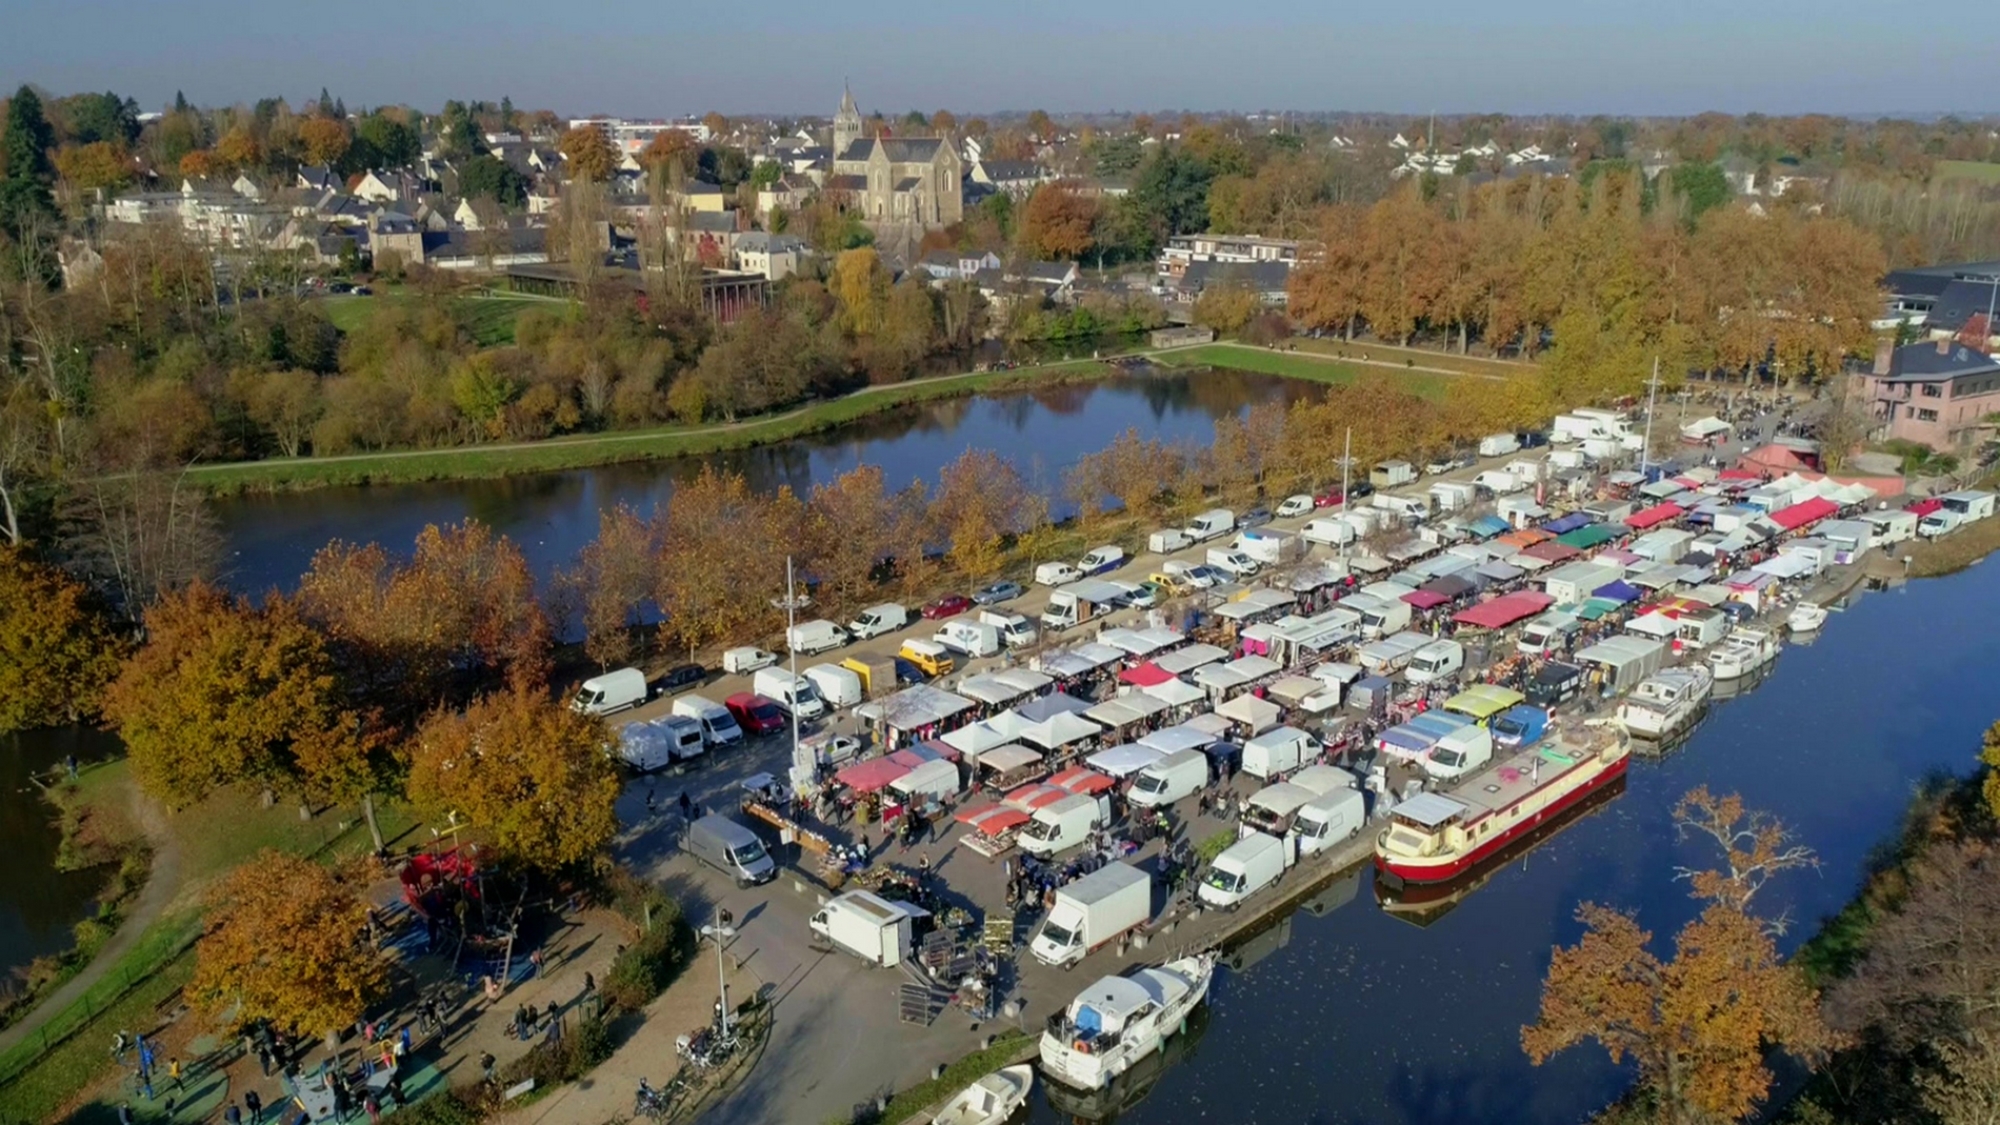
(868, 926)
(1279, 751)
(1078, 602)
(838, 686)
(878, 621)
(1168, 541)
(1389, 474)
(1016, 631)
(1062, 825)
(1269, 546)
(612, 691)
(1248, 866)
(1093, 912)
(1177, 775)
(1453, 495)
(972, 638)
(1499, 482)
(810, 638)
(795, 695)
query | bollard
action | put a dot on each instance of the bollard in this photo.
(937, 1072)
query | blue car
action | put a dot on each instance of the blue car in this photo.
(1520, 725)
(998, 592)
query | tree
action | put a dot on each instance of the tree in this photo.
(25, 171)
(138, 533)
(57, 650)
(1172, 192)
(716, 573)
(383, 141)
(323, 140)
(239, 150)
(670, 156)
(97, 166)
(612, 581)
(861, 284)
(1226, 307)
(1057, 222)
(981, 499)
(522, 770)
(1700, 188)
(587, 154)
(457, 132)
(1755, 846)
(106, 117)
(287, 941)
(224, 692)
(489, 176)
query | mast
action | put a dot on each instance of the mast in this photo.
(1652, 397)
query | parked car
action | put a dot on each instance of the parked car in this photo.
(1255, 517)
(998, 592)
(1295, 506)
(1440, 465)
(1138, 595)
(1532, 438)
(682, 676)
(1204, 577)
(951, 605)
(755, 713)
(908, 673)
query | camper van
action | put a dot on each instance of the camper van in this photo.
(1971, 505)
(1062, 825)
(1279, 751)
(718, 726)
(1177, 775)
(613, 691)
(732, 849)
(810, 638)
(973, 638)
(1209, 524)
(793, 693)
(1248, 866)
(930, 657)
(879, 621)
(1438, 660)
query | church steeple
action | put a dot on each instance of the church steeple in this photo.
(846, 123)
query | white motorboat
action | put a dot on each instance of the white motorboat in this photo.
(1742, 653)
(1666, 702)
(1122, 1019)
(1806, 617)
(991, 1100)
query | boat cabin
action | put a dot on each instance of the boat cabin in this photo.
(1097, 1020)
(1425, 825)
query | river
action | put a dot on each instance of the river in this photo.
(1363, 1017)
(271, 537)
(39, 904)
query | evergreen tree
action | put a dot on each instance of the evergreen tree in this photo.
(506, 112)
(180, 102)
(325, 104)
(24, 188)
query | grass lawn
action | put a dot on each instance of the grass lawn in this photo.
(1978, 171)
(489, 319)
(1300, 365)
(1421, 357)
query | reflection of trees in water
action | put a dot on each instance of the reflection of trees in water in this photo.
(38, 904)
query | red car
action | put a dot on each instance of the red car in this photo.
(951, 605)
(755, 713)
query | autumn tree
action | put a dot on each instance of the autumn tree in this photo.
(98, 166)
(1227, 307)
(587, 154)
(287, 941)
(1325, 289)
(611, 583)
(1057, 222)
(523, 771)
(239, 150)
(981, 499)
(852, 523)
(861, 283)
(323, 140)
(57, 650)
(224, 691)
(1754, 845)
(716, 572)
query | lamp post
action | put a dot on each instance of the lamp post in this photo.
(720, 931)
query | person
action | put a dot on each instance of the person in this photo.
(231, 1115)
(70, 761)
(264, 1059)
(589, 984)
(535, 963)
(403, 1041)
(255, 1105)
(174, 1073)
(687, 806)
(924, 868)
(486, 1064)
(119, 1040)
(373, 1109)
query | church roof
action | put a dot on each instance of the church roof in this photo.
(847, 183)
(899, 150)
(847, 100)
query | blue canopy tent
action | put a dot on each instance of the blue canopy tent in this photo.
(1486, 527)
(1624, 593)
(1567, 523)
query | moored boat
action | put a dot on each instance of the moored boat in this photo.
(1742, 653)
(1806, 617)
(1434, 837)
(1122, 1019)
(991, 1100)
(1667, 701)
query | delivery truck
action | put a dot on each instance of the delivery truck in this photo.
(868, 926)
(838, 686)
(718, 726)
(1229, 560)
(1167, 541)
(1093, 912)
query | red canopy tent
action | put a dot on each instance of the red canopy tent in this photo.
(991, 820)
(1145, 675)
(1922, 508)
(1504, 610)
(1425, 599)
(873, 774)
(1552, 552)
(1654, 516)
(1740, 475)
(1031, 797)
(1077, 779)
(1804, 512)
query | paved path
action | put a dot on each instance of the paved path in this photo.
(163, 882)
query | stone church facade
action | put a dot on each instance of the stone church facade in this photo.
(895, 181)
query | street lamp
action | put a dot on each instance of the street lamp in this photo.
(720, 931)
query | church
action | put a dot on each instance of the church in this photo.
(895, 181)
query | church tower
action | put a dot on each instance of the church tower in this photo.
(846, 123)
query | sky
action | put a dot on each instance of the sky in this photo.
(648, 58)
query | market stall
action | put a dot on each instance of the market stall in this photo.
(1124, 760)
(1256, 715)
(1187, 659)
(992, 828)
(1005, 767)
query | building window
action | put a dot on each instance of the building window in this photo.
(1926, 415)
(1932, 390)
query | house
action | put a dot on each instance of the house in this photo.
(1183, 250)
(318, 179)
(1268, 279)
(393, 232)
(1741, 172)
(1056, 279)
(493, 249)
(1966, 310)
(957, 265)
(1938, 393)
(247, 188)
(388, 188)
(696, 195)
(478, 214)
(1015, 178)
(787, 193)
(771, 256)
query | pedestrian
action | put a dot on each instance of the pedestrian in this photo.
(174, 1072)
(118, 1041)
(486, 1065)
(255, 1105)
(373, 1108)
(687, 806)
(70, 761)
(520, 1028)
(924, 869)
(534, 1021)
(389, 1056)
(403, 1041)
(535, 963)
(589, 984)
(264, 1059)
(231, 1115)
(649, 802)
(492, 989)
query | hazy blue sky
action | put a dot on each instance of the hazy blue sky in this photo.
(788, 56)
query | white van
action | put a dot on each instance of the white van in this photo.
(839, 687)
(613, 691)
(718, 726)
(1498, 445)
(1248, 866)
(1209, 524)
(885, 618)
(1270, 811)
(1330, 820)
(973, 638)
(1016, 631)
(1279, 751)
(1438, 660)
(1548, 633)
(1232, 561)
(1062, 825)
(809, 638)
(1168, 541)
(682, 736)
(1332, 532)
(1056, 574)
(1100, 560)
(795, 695)
(655, 745)
(1460, 752)
(1500, 482)
(748, 658)
(1177, 775)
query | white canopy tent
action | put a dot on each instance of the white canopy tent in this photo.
(1174, 693)
(1189, 658)
(1259, 715)
(1125, 760)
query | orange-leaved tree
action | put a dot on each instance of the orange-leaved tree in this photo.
(587, 154)
(287, 942)
(522, 770)
(57, 650)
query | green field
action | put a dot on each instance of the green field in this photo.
(490, 319)
(1976, 171)
(1300, 365)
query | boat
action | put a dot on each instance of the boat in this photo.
(1122, 1019)
(1422, 904)
(1666, 701)
(1128, 1090)
(991, 1100)
(1437, 837)
(1806, 617)
(1742, 653)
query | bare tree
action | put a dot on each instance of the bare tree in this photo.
(1755, 846)
(140, 533)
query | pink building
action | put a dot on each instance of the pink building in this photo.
(1940, 393)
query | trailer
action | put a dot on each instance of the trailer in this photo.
(868, 926)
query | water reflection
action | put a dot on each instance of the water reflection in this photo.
(39, 904)
(272, 538)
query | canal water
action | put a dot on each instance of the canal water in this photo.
(272, 538)
(39, 904)
(1358, 1015)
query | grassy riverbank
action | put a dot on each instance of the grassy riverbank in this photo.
(1308, 366)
